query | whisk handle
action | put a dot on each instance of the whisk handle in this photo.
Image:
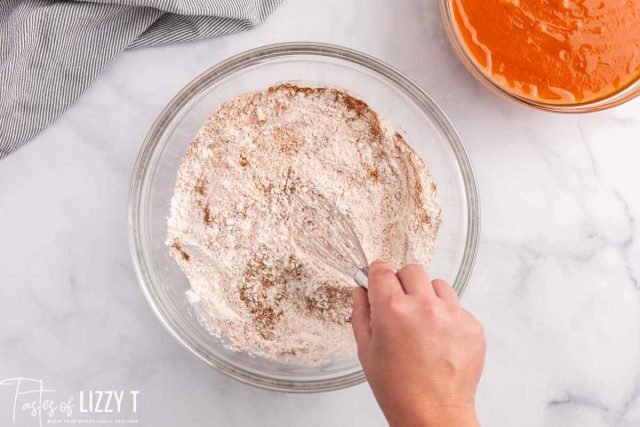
(362, 278)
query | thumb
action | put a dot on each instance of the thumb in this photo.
(360, 318)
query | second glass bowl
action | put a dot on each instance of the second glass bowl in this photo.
(401, 104)
(616, 98)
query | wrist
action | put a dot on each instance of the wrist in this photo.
(441, 417)
(450, 417)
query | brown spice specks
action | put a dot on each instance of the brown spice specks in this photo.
(292, 89)
(331, 302)
(200, 186)
(287, 139)
(207, 215)
(423, 218)
(264, 290)
(185, 256)
(372, 173)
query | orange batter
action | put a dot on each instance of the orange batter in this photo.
(559, 51)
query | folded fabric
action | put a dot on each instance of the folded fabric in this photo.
(50, 50)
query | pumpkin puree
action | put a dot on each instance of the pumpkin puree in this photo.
(558, 51)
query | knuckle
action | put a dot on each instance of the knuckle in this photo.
(429, 309)
(382, 277)
(474, 327)
(478, 329)
(385, 277)
(452, 307)
(422, 299)
(396, 305)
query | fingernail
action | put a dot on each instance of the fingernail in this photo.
(377, 261)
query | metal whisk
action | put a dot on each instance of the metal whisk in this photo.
(325, 232)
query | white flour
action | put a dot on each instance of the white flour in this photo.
(228, 228)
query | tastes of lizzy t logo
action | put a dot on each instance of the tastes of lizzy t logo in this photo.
(35, 404)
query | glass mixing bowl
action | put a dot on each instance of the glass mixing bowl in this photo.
(613, 99)
(402, 104)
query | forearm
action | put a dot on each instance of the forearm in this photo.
(460, 419)
(434, 418)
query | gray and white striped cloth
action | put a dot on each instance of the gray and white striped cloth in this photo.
(51, 50)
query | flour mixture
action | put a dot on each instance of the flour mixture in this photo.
(229, 224)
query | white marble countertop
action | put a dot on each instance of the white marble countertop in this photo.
(556, 284)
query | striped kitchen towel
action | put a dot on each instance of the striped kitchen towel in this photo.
(51, 50)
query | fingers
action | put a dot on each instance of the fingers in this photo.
(411, 279)
(444, 291)
(361, 317)
(414, 280)
(383, 282)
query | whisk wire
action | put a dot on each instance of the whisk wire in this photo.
(354, 242)
(326, 233)
(323, 254)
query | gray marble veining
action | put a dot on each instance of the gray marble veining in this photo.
(556, 283)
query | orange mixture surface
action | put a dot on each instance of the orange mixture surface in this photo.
(559, 51)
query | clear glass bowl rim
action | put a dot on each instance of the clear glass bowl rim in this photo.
(616, 98)
(221, 70)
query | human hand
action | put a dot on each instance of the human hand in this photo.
(421, 352)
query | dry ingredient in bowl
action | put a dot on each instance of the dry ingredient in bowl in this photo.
(229, 223)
